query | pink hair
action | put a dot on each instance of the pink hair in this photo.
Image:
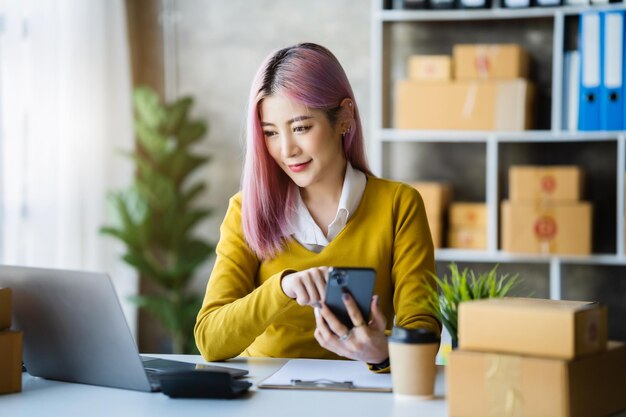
(311, 75)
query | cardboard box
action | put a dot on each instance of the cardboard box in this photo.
(6, 306)
(436, 196)
(464, 105)
(555, 228)
(546, 183)
(489, 61)
(468, 214)
(485, 384)
(10, 362)
(436, 229)
(430, 67)
(548, 328)
(463, 237)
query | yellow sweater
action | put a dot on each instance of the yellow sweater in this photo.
(245, 312)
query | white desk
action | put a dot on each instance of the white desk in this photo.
(41, 397)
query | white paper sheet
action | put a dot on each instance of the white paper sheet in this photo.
(328, 370)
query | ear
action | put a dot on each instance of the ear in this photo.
(346, 115)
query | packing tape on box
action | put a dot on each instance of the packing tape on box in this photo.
(503, 386)
(470, 100)
(482, 60)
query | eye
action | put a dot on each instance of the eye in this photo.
(269, 133)
(302, 129)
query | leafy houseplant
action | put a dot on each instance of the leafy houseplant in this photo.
(155, 214)
(444, 300)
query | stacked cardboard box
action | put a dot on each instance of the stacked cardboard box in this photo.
(436, 196)
(490, 91)
(468, 226)
(533, 358)
(544, 213)
(10, 348)
(430, 67)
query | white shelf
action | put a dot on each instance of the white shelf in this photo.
(398, 135)
(559, 136)
(479, 256)
(494, 143)
(487, 14)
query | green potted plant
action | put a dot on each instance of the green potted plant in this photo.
(156, 214)
(443, 301)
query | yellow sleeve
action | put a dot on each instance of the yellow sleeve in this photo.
(235, 311)
(413, 261)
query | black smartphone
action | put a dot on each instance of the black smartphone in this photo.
(358, 282)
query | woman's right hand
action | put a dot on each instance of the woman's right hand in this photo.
(307, 287)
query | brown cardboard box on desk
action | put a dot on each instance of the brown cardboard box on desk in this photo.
(6, 306)
(487, 384)
(549, 359)
(10, 347)
(10, 362)
(490, 61)
(468, 226)
(436, 196)
(499, 105)
(531, 326)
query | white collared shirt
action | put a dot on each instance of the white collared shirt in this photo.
(308, 233)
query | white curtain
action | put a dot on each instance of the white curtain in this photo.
(65, 114)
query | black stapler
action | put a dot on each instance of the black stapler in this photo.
(201, 384)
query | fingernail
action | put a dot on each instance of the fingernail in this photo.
(316, 311)
(344, 296)
(317, 304)
(377, 299)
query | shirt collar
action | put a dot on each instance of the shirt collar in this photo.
(304, 228)
(353, 186)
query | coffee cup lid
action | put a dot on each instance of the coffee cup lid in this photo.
(404, 335)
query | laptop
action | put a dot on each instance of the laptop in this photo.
(75, 331)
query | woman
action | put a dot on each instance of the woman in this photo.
(309, 201)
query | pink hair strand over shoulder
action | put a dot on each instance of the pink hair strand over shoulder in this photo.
(311, 75)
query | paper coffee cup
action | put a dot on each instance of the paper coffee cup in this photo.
(412, 355)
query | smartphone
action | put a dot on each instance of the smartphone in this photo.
(358, 282)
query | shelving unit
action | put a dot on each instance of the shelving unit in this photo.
(546, 33)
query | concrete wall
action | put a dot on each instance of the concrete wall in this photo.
(217, 46)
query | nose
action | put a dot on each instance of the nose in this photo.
(288, 146)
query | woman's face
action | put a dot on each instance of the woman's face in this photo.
(302, 141)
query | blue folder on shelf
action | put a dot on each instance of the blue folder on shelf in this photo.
(612, 88)
(590, 30)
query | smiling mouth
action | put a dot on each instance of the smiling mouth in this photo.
(299, 167)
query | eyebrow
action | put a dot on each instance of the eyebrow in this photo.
(290, 121)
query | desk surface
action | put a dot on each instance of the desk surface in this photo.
(40, 397)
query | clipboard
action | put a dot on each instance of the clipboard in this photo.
(328, 375)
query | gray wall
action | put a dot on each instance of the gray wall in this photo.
(217, 47)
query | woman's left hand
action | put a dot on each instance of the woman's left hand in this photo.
(365, 342)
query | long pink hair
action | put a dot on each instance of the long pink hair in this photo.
(311, 75)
